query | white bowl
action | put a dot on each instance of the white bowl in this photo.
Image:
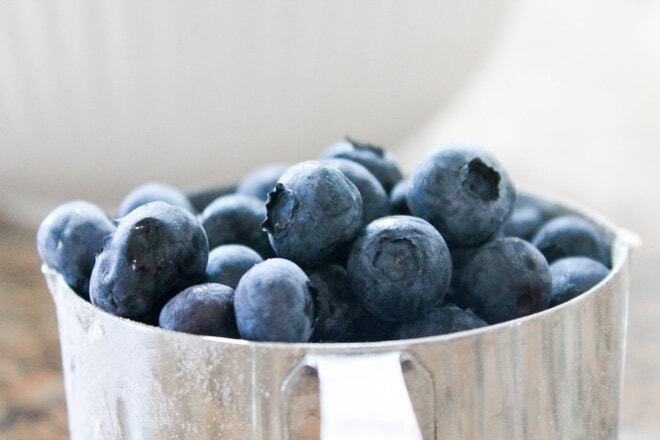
(102, 96)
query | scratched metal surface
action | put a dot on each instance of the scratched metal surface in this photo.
(554, 375)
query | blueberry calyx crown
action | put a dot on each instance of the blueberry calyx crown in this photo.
(378, 151)
(481, 180)
(277, 219)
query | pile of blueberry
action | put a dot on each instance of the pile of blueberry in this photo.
(337, 249)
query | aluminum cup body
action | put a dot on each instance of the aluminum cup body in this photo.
(552, 375)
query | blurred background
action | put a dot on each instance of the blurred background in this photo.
(98, 97)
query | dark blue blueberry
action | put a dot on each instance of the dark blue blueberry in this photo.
(313, 214)
(572, 276)
(261, 181)
(528, 216)
(523, 223)
(571, 236)
(375, 202)
(464, 192)
(152, 192)
(337, 308)
(379, 162)
(399, 266)
(460, 257)
(156, 251)
(399, 198)
(370, 328)
(439, 321)
(507, 278)
(228, 263)
(273, 302)
(69, 239)
(236, 219)
(203, 309)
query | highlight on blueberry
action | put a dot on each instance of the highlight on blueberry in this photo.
(572, 276)
(202, 309)
(69, 239)
(156, 251)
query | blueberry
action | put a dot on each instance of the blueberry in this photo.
(375, 202)
(152, 192)
(313, 214)
(464, 192)
(460, 257)
(261, 181)
(572, 276)
(370, 328)
(568, 236)
(528, 216)
(236, 219)
(156, 251)
(506, 279)
(380, 163)
(439, 321)
(337, 308)
(228, 263)
(399, 266)
(69, 239)
(273, 302)
(399, 198)
(203, 309)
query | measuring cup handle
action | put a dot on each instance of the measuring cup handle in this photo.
(364, 396)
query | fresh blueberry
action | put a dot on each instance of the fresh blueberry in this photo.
(273, 302)
(571, 236)
(464, 192)
(152, 192)
(523, 223)
(572, 276)
(375, 202)
(528, 216)
(507, 278)
(229, 262)
(69, 239)
(439, 321)
(399, 266)
(156, 251)
(460, 257)
(261, 181)
(399, 198)
(380, 163)
(337, 308)
(370, 328)
(236, 219)
(313, 214)
(203, 309)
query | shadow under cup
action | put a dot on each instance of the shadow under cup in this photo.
(556, 374)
